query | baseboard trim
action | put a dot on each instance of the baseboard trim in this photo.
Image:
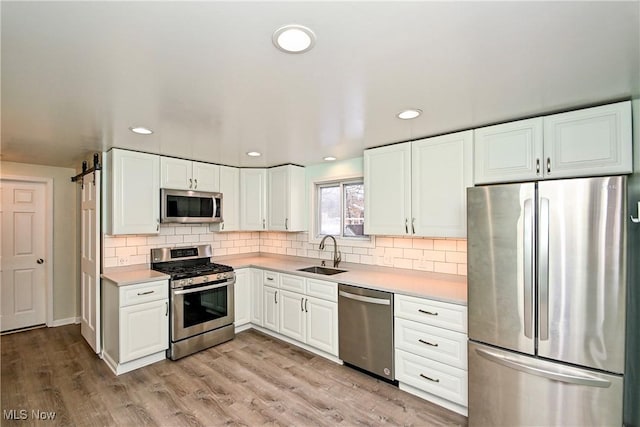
(63, 322)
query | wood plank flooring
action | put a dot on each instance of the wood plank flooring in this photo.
(253, 380)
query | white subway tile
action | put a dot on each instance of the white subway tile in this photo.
(361, 251)
(394, 252)
(285, 243)
(220, 236)
(138, 259)
(399, 242)
(456, 257)
(435, 256)
(384, 241)
(292, 236)
(126, 251)
(144, 250)
(115, 242)
(255, 249)
(421, 243)
(461, 246)
(156, 240)
(219, 252)
(227, 244)
(206, 238)
(423, 265)
(183, 230)
(175, 239)
(303, 237)
(191, 238)
(233, 251)
(352, 258)
(296, 245)
(110, 262)
(166, 230)
(215, 245)
(413, 253)
(301, 252)
(367, 259)
(402, 263)
(444, 245)
(109, 252)
(291, 251)
(255, 235)
(444, 267)
(136, 241)
(239, 243)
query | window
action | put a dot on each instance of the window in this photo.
(341, 209)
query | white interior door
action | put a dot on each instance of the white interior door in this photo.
(22, 256)
(90, 261)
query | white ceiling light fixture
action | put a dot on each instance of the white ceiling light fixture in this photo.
(329, 159)
(140, 130)
(409, 114)
(294, 39)
(254, 154)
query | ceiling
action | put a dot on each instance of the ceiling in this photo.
(207, 79)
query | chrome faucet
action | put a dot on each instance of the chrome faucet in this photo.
(337, 257)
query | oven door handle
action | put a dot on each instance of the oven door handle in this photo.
(202, 288)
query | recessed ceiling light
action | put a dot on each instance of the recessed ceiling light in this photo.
(140, 130)
(409, 114)
(329, 159)
(254, 154)
(294, 39)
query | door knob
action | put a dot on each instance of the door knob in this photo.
(40, 261)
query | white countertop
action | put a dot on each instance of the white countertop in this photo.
(131, 277)
(442, 287)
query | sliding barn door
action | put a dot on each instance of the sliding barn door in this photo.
(90, 264)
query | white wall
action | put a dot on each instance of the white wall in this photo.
(65, 247)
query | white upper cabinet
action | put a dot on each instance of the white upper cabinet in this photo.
(441, 171)
(230, 189)
(593, 141)
(253, 201)
(182, 174)
(419, 188)
(133, 193)
(387, 186)
(286, 198)
(587, 142)
(508, 152)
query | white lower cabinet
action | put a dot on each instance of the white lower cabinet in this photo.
(135, 324)
(256, 282)
(431, 350)
(309, 315)
(242, 298)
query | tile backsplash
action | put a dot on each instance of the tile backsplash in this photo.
(426, 254)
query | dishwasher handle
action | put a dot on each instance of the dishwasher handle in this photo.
(371, 300)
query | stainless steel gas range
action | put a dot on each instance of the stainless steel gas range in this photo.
(201, 298)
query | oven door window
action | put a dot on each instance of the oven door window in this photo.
(205, 306)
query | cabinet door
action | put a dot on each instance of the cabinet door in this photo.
(176, 173)
(588, 142)
(441, 172)
(278, 198)
(144, 329)
(134, 192)
(292, 315)
(252, 199)
(206, 177)
(322, 324)
(508, 152)
(387, 185)
(242, 297)
(256, 296)
(270, 313)
(230, 189)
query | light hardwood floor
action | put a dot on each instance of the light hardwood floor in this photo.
(253, 380)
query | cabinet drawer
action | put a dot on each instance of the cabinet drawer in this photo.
(441, 345)
(292, 283)
(271, 278)
(144, 292)
(428, 375)
(322, 289)
(435, 313)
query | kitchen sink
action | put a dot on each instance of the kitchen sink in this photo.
(322, 270)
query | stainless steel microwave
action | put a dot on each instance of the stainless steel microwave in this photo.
(184, 206)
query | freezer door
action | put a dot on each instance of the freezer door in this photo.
(582, 271)
(509, 389)
(500, 234)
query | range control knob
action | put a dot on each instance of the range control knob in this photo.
(190, 281)
(205, 279)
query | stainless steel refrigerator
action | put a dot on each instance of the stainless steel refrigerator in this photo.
(547, 272)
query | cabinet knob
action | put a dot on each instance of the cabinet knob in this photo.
(40, 261)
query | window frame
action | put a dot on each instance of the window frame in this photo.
(367, 241)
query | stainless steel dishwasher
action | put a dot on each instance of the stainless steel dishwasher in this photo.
(365, 317)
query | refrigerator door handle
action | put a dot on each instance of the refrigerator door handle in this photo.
(543, 269)
(565, 377)
(528, 268)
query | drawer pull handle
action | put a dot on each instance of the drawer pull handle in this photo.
(428, 343)
(430, 313)
(146, 293)
(270, 279)
(430, 379)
